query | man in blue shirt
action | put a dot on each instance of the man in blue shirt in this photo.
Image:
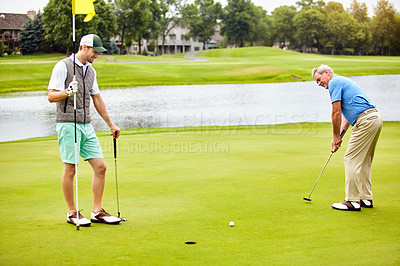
(351, 106)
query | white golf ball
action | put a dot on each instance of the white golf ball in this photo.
(231, 224)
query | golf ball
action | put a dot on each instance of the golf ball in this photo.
(231, 224)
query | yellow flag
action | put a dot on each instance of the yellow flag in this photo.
(83, 7)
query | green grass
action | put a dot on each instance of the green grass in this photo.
(187, 184)
(225, 66)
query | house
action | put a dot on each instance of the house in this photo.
(11, 26)
(176, 42)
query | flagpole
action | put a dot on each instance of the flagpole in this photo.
(79, 7)
(76, 145)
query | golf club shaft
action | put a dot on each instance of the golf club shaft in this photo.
(116, 175)
(320, 174)
(330, 155)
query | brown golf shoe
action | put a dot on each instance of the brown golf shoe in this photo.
(104, 217)
(347, 206)
(71, 218)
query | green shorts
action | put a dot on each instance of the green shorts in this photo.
(88, 146)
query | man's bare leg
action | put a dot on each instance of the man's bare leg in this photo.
(67, 183)
(99, 176)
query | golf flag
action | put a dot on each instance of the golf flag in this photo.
(83, 7)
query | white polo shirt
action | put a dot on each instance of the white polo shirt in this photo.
(59, 75)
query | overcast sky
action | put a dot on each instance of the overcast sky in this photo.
(22, 6)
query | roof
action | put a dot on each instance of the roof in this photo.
(9, 21)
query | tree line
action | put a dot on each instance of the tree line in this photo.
(310, 26)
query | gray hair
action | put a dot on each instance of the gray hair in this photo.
(321, 69)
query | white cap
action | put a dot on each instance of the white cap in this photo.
(94, 41)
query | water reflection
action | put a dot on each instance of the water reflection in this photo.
(31, 115)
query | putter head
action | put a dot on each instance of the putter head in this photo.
(123, 219)
(307, 199)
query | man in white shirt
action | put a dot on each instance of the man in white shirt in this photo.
(75, 75)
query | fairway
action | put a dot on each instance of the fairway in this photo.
(187, 184)
(224, 66)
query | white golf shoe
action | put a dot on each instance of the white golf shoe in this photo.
(347, 206)
(103, 217)
(71, 218)
(366, 204)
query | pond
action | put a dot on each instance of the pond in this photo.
(26, 115)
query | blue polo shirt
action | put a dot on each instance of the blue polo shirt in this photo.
(354, 100)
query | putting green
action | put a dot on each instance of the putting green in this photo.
(186, 185)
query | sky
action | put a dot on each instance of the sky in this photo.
(22, 6)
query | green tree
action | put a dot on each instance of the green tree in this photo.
(142, 18)
(3, 48)
(155, 27)
(359, 11)
(57, 18)
(308, 4)
(383, 26)
(334, 6)
(268, 40)
(262, 33)
(310, 27)
(32, 35)
(362, 38)
(341, 29)
(283, 26)
(123, 12)
(111, 47)
(171, 16)
(201, 19)
(238, 25)
(104, 23)
(396, 40)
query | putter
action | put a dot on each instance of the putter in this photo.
(309, 196)
(116, 178)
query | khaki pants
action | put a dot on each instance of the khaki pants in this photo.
(359, 155)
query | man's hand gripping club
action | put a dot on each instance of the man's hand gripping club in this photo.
(72, 87)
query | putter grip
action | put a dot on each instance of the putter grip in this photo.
(115, 147)
(341, 136)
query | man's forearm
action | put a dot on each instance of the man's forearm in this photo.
(336, 124)
(101, 109)
(56, 96)
(336, 118)
(345, 125)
